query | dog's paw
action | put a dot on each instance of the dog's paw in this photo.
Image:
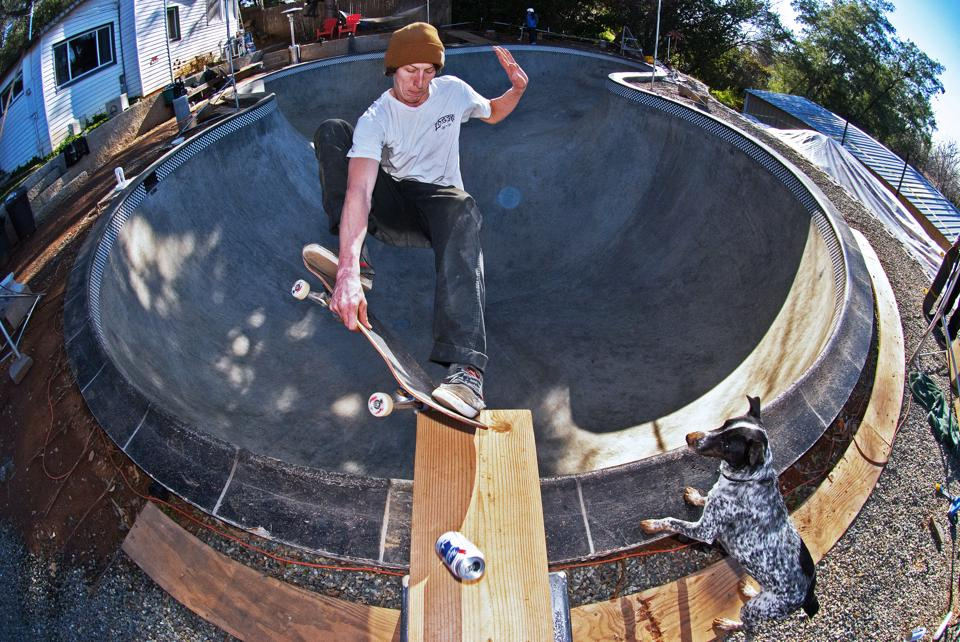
(651, 526)
(727, 625)
(747, 591)
(693, 497)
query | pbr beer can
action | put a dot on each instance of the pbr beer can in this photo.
(461, 556)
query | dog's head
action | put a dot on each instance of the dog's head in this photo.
(740, 441)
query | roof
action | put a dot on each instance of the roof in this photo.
(915, 187)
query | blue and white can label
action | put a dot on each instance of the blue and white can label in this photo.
(461, 556)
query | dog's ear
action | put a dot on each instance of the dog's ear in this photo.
(756, 454)
(754, 407)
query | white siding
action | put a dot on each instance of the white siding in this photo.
(131, 56)
(152, 45)
(37, 106)
(144, 57)
(85, 97)
(197, 37)
(25, 130)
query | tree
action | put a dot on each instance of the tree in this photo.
(722, 40)
(942, 167)
(12, 9)
(15, 25)
(848, 58)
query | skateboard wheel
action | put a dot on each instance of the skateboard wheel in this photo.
(300, 290)
(380, 404)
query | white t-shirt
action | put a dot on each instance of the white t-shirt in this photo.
(420, 143)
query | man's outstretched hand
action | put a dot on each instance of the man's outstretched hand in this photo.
(518, 77)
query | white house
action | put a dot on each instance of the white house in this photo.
(95, 55)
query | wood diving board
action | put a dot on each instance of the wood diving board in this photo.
(485, 484)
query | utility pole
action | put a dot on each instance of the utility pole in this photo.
(873, 102)
(656, 40)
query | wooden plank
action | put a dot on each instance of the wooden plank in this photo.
(955, 346)
(485, 484)
(680, 610)
(444, 475)
(685, 609)
(241, 601)
(826, 516)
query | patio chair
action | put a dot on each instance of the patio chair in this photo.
(17, 304)
(327, 28)
(353, 20)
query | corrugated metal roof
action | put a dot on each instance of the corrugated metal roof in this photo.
(915, 187)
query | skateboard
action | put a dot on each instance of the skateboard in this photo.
(942, 295)
(415, 385)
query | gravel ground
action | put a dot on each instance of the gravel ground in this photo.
(885, 577)
(42, 601)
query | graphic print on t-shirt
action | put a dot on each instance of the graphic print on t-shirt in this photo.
(443, 122)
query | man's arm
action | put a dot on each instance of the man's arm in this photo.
(501, 107)
(348, 301)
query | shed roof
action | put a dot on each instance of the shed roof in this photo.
(915, 187)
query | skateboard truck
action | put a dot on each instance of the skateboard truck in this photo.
(381, 404)
(301, 291)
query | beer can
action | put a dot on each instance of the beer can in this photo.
(461, 556)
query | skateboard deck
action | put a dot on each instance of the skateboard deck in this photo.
(407, 371)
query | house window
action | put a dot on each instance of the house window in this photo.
(11, 92)
(173, 23)
(83, 54)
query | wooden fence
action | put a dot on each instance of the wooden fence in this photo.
(273, 24)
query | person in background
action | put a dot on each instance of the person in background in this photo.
(531, 25)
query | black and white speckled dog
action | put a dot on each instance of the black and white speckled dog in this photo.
(745, 512)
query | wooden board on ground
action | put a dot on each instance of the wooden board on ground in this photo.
(954, 381)
(486, 485)
(824, 518)
(685, 609)
(238, 599)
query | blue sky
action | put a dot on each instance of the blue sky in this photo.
(934, 26)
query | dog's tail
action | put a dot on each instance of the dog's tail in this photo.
(810, 603)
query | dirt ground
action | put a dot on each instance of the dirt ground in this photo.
(62, 481)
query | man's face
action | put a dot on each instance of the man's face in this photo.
(411, 83)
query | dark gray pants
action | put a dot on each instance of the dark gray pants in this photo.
(413, 214)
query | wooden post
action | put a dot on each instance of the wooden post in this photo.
(485, 484)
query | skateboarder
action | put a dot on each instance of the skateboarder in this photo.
(398, 177)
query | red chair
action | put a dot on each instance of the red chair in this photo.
(351, 27)
(327, 29)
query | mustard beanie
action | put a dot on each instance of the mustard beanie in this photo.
(416, 43)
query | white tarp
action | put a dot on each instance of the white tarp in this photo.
(849, 173)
